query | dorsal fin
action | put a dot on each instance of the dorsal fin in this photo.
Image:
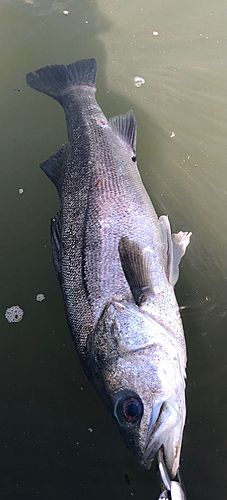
(136, 267)
(53, 167)
(126, 128)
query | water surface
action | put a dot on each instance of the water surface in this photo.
(57, 442)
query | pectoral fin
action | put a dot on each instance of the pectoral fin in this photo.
(136, 266)
(174, 247)
(180, 243)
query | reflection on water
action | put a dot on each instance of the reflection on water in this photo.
(38, 7)
(47, 405)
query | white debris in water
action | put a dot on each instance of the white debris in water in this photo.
(20, 191)
(65, 12)
(90, 429)
(155, 33)
(172, 134)
(138, 81)
(14, 314)
(40, 297)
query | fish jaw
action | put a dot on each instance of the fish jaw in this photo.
(162, 422)
(166, 432)
(135, 361)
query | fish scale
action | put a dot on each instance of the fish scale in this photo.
(117, 265)
(109, 159)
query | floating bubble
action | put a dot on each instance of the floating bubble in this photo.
(40, 297)
(14, 314)
(20, 191)
(138, 81)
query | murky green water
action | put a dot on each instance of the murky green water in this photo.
(47, 406)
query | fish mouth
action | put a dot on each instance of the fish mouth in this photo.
(164, 419)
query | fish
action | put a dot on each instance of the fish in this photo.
(117, 264)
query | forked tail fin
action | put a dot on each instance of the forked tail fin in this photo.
(57, 79)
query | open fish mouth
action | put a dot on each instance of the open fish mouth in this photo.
(165, 417)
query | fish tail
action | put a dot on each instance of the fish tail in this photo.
(56, 80)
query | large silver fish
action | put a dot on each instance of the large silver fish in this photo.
(117, 265)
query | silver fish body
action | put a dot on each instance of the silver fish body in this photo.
(117, 264)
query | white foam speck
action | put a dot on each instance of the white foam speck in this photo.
(65, 12)
(20, 191)
(40, 297)
(155, 33)
(172, 134)
(138, 81)
(14, 314)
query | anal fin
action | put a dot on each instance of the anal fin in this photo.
(53, 167)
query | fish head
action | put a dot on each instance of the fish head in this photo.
(137, 370)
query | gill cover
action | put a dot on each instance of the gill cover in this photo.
(137, 369)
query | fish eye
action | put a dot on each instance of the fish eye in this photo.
(132, 409)
(128, 408)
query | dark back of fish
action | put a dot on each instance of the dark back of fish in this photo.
(102, 198)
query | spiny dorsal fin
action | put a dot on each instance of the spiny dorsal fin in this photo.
(53, 167)
(125, 127)
(136, 267)
(174, 247)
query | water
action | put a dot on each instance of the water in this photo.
(48, 409)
